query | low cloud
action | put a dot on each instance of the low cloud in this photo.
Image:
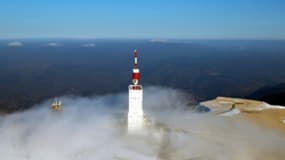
(54, 44)
(95, 128)
(15, 44)
(88, 45)
(159, 40)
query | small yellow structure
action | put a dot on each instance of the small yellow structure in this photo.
(56, 106)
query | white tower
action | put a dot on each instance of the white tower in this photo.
(135, 115)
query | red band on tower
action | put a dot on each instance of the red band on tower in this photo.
(136, 76)
(136, 71)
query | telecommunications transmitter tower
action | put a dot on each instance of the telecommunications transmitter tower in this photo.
(135, 114)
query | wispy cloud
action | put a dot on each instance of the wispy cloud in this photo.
(54, 44)
(87, 128)
(15, 44)
(88, 45)
(159, 40)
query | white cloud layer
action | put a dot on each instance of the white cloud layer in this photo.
(88, 45)
(94, 128)
(15, 44)
(54, 44)
(159, 40)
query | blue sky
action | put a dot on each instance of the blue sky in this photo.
(187, 19)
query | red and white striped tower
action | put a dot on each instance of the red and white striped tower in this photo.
(136, 70)
(135, 114)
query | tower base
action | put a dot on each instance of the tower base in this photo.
(135, 114)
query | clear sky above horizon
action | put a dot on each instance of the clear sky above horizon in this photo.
(187, 19)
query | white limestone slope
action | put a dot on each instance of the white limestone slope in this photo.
(232, 106)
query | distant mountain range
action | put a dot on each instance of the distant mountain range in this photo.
(271, 94)
(34, 70)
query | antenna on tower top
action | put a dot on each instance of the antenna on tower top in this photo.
(136, 71)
